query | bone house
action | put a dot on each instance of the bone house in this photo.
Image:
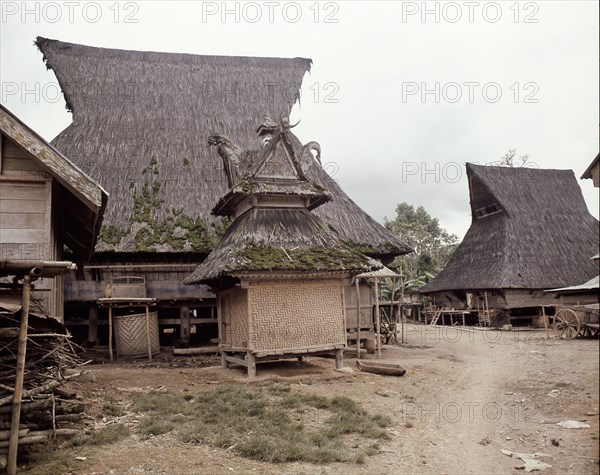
(279, 271)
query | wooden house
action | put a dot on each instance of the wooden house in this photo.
(593, 171)
(140, 125)
(47, 205)
(279, 271)
(530, 231)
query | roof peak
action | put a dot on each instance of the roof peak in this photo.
(275, 171)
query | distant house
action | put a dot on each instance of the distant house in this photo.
(141, 121)
(47, 205)
(530, 230)
(593, 171)
(279, 271)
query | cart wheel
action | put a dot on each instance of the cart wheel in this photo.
(566, 324)
(586, 332)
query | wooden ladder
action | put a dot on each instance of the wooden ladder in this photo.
(484, 318)
(436, 316)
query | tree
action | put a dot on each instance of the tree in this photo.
(433, 245)
(510, 159)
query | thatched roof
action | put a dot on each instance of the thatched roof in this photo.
(83, 200)
(530, 229)
(285, 240)
(140, 125)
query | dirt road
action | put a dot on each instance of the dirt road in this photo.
(467, 395)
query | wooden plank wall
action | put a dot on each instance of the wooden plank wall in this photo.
(26, 219)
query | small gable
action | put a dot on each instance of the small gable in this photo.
(278, 164)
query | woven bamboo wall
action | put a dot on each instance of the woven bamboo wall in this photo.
(297, 314)
(235, 316)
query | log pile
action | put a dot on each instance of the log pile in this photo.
(51, 361)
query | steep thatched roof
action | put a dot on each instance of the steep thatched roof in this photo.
(83, 200)
(286, 240)
(140, 125)
(530, 229)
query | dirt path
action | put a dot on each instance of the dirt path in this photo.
(466, 396)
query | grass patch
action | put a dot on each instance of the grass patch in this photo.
(107, 435)
(269, 422)
(112, 409)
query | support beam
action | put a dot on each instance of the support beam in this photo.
(251, 365)
(184, 327)
(339, 358)
(357, 319)
(93, 325)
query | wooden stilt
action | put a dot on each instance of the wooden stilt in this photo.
(251, 365)
(110, 332)
(148, 332)
(377, 317)
(18, 392)
(224, 362)
(339, 358)
(357, 319)
(184, 327)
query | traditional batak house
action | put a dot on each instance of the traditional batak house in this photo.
(279, 271)
(140, 125)
(530, 231)
(47, 205)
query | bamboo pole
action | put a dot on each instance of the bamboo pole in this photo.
(148, 332)
(18, 394)
(357, 319)
(377, 317)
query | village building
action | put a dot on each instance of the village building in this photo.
(530, 231)
(47, 205)
(140, 125)
(587, 292)
(593, 171)
(279, 271)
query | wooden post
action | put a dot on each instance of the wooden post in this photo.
(110, 352)
(93, 325)
(545, 321)
(377, 317)
(148, 332)
(357, 319)
(184, 326)
(16, 405)
(487, 310)
(251, 365)
(393, 324)
(339, 358)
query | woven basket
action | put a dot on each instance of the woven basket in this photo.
(130, 334)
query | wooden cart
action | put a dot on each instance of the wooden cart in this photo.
(571, 321)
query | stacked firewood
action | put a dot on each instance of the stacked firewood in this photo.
(51, 361)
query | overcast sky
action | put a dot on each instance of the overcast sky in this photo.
(400, 96)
